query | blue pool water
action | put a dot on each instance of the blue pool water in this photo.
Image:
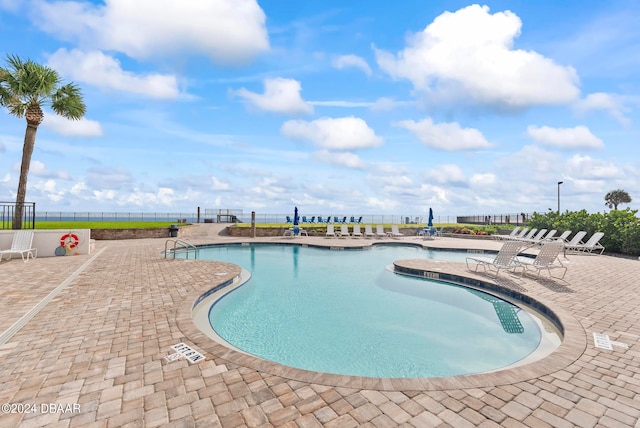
(343, 312)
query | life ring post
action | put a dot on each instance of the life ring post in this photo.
(70, 240)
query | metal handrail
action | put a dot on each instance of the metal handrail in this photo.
(185, 245)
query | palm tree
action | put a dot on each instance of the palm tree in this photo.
(616, 197)
(25, 87)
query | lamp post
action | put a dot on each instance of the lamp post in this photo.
(559, 183)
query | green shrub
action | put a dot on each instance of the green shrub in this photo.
(621, 228)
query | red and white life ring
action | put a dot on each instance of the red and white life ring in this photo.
(70, 239)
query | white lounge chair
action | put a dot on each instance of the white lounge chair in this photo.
(380, 233)
(547, 259)
(536, 237)
(330, 231)
(576, 240)
(564, 236)
(590, 246)
(512, 235)
(519, 235)
(395, 231)
(344, 231)
(551, 236)
(22, 244)
(356, 231)
(505, 259)
(527, 236)
(368, 231)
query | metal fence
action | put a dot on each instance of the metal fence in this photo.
(240, 216)
(8, 209)
(235, 216)
(116, 216)
(361, 218)
(509, 218)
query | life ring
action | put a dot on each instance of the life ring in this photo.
(70, 239)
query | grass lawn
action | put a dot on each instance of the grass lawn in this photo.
(102, 224)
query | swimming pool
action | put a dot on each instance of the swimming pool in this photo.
(344, 312)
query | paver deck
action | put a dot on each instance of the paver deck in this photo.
(100, 344)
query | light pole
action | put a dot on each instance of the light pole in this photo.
(559, 183)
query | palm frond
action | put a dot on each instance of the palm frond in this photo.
(67, 102)
(28, 79)
(24, 83)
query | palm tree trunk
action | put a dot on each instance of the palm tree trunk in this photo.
(27, 151)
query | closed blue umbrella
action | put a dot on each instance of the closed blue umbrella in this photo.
(430, 223)
(296, 220)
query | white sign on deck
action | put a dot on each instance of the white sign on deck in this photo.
(602, 341)
(188, 352)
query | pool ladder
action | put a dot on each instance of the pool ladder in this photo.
(182, 246)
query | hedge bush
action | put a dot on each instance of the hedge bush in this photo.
(621, 228)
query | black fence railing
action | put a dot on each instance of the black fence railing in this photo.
(239, 216)
(510, 218)
(8, 210)
(88, 216)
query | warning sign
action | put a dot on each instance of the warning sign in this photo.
(188, 352)
(602, 341)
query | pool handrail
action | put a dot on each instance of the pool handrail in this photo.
(186, 246)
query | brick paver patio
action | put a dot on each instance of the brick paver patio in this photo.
(99, 345)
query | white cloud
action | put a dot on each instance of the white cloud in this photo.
(588, 186)
(228, 31)
(345, 61)
(103, 71)
(270, 188)
(438, 193)
(446, 173)
(104, 195)
(280, 96)
(591, 169)
(381, 204)
(483, 180)
(341, 103)
(385, 104)
(579, 137)
(219, 185)
(49, 189)
(72, 128)
(531, 163)
(344, 133)
(10, 5)
(109, 178)
(39, 169)
(445, 136)
(2, 147)
(469, 54)
(603, 101)
(164, 196)
(348, 159)
(78, 188)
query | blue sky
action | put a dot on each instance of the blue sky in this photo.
(337, 107)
